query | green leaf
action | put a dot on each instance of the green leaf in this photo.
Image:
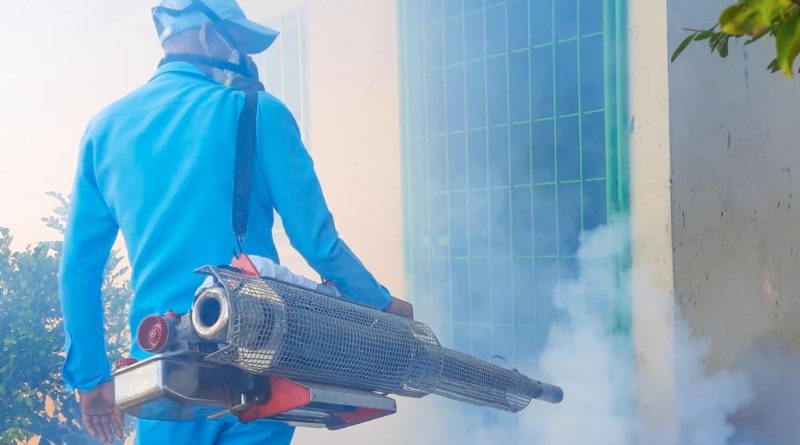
(722, 46)
(712, 43)
(704, 35)
(787, 41)
(684, 44)
(769, 31)
(773, 66)
(751, 17)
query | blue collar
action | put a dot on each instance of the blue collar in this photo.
(181, 68)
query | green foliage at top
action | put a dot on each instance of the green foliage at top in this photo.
(32, 338)
(753, 20)
(752, 17)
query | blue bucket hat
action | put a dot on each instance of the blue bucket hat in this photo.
(174, 16)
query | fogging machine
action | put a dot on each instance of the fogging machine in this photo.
(261, 348)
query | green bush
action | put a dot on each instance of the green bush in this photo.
(32, 337)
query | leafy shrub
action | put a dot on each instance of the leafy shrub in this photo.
(33, 399)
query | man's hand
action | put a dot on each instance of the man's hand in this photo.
(402, 308)
(100, 415)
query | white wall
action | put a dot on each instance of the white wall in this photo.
(355, 124)
(713, 159)
(736, 225)
(734, 158)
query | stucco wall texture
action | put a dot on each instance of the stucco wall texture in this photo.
(735, 181)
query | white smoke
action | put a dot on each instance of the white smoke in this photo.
(706, 401)
(589, 353)
(771, 418)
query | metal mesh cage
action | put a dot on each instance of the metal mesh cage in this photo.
(280, 328)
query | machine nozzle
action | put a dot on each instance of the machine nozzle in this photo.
(210, 315)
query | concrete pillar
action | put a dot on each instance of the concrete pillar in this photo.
(653, 289)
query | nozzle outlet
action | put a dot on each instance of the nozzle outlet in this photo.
(211, 314)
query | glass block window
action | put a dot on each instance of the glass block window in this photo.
(508, 157)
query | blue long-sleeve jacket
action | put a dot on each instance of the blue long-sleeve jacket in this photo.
(158, 166)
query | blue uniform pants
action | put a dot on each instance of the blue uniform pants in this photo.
(210, 432)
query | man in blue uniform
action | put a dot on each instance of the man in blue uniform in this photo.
(158, 166)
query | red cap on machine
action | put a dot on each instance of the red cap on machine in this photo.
(153, 333)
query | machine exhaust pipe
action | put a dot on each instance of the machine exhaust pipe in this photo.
(211, 315)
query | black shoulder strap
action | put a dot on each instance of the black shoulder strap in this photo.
(245, 135)
(245, 154)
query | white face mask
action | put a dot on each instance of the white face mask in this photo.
(224, 77)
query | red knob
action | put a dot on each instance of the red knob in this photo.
(153, 333)
(124, 362)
